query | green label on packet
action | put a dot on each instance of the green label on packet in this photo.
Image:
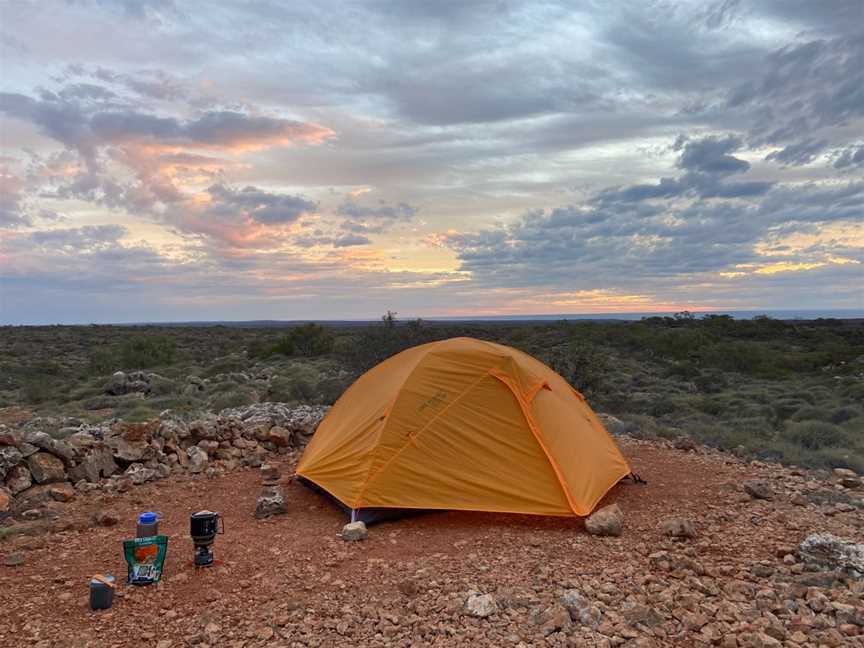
(145, 558)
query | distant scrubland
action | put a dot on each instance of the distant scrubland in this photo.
(777, 390)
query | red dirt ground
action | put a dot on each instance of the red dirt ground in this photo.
(290, 580)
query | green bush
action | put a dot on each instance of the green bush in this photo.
(101, 361)
(137, 414)
(811, 413)
(36, 390)
(815, 435)
(584, 366)
(736, 356)
(843, 414)
(331, 389)
(235, 398)
(308, 340)
(98, 402)
(299, 383)
(232, 364)
(142, 352)
(161, 386)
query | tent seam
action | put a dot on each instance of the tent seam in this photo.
(412, 437)
(535, 430)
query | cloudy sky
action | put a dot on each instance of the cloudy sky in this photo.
(183, 160)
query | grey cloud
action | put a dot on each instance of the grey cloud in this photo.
(262, 206)
(711, 155)
(707, 163)
(852, 156)
(83, 128)
(81, 240)
(154, 84)
(802, 88)
(402, 211)
(87, 92)
(615, 239)
(361, 219)
(799, 153)
(348, 240)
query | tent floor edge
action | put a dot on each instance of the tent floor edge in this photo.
(369, 515)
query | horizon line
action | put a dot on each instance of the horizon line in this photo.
(798, 314)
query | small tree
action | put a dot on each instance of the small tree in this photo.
(389, 320)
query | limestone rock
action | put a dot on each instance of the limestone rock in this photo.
(19, 479)
(46, 468)
(197, 459)
(38, 496)
(581, 609)
(129, 451)
(106, 518)
(554, 618)
(116, 385)
(642, 615)
(844, 472)
(827, 551)
(759, 489)
(209, 446)
(9, 457)
(61, 492)
(279, 436)
(9, 437)
(608, 521)
(96, 463)
(354, 531)
(139, 474)
(678, 528)
(14, 559)
(270, 474)
(616, 426)
(270, 502)
(685, 443)
(481, 605)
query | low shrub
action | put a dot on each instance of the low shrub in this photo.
(231, 364)
(331, 389)
(101, 361)
(235, 398)
(308, 341)
(161, 386)
(143, 352)
(815, 435)
(584, 366)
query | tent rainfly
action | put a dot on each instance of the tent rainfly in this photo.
(462, 424)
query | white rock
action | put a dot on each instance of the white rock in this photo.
(481, 605)
(354, 531)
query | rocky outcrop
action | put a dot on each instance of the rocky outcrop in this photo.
(122, 383)
(826, 551)
(118, 455)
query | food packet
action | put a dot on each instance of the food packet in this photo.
(145, 558)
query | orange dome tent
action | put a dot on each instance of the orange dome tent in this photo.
(463, 424)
